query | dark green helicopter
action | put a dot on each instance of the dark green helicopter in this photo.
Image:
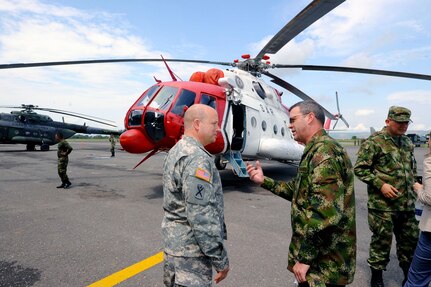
(30, 128)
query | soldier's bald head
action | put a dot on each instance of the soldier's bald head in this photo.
(196, 112)
(201, 123)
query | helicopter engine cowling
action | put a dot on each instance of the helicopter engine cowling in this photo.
(134, 141)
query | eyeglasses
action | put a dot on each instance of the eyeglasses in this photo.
(293, 119)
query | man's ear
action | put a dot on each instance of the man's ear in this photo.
(196, 124)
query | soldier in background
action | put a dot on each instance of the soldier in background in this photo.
(113, 141)
(322, 250)
(63, 151)
(386, 163)
(193, 226)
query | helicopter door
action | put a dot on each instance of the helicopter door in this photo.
(238, 127)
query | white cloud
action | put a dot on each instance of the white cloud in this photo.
(414, 96)
(364, 112)
(360, 127)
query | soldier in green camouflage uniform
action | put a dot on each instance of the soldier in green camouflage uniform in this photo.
(193, 226)
(386, 163)
(113, 141)
(63, 151)
(322, 251)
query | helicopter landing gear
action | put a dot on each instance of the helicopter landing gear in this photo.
(30, 147)
(44, 147)
(220, 163)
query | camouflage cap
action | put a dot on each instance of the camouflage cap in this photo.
(399, 114)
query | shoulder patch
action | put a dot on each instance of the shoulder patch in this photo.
(203, 174)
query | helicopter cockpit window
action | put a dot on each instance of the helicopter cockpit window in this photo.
(135, 118)
(259, 89)
(208, 100)
(186, 99)
(164, 98)
(148, 95)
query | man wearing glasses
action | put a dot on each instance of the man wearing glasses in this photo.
(322, 251)
(386, 163)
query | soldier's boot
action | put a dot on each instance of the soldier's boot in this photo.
(61, 185)
(67, 184)
(377, 278)
(405, 267)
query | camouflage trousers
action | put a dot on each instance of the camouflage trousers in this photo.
(62, 169)
(187, 271)
(405, 228)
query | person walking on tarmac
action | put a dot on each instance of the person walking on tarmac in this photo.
(64, 149)
(113, 141)
(386, 163)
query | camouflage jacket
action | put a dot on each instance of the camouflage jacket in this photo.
(113, 141)
(63, 149)
(193, 223)
(381, 160)
(322, 212)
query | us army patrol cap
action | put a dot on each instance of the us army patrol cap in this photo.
(399, 114)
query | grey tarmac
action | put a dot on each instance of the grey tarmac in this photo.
(109, 219)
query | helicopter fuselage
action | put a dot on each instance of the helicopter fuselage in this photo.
(253, 122)
(34, 129)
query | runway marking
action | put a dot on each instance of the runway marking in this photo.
(128, 272)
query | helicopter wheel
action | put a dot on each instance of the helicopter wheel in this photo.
(30, 147)
(44, 147)
(220, 163)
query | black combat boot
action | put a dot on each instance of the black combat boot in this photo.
(61, 185)
(405, 267)
(376, 278)
(67, 184)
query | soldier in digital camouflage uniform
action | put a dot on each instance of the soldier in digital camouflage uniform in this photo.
(63, 151)
(193, 226)
(386, 163)
(322, 250)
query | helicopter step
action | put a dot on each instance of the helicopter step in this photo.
(237, 163)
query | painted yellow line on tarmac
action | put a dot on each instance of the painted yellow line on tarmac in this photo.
(128, 272)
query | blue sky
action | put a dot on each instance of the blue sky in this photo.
(384, 34)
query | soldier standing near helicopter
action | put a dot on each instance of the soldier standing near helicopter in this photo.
(113, 141)
(322, 251)
(193, 224)
(64, 149)
(386, 163)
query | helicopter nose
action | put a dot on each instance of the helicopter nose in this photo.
(134, 141)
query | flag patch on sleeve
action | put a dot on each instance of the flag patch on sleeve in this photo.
(203, 174)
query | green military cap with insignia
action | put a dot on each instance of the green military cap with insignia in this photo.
(399, 114)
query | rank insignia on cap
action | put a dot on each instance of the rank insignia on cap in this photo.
(203, 174)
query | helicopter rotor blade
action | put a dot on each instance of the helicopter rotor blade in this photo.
(310, 14)
(356, 70)
(72, 114)
(296, 91)
(338, 110)
(85, 118)
(84, 62)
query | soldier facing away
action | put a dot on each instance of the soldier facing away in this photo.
(322, 250)
(387, 165)
(193, 226)
(64, 149)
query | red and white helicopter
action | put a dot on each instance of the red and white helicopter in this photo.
(253, 120)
